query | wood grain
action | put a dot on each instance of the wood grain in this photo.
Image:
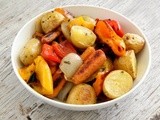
(16, 103)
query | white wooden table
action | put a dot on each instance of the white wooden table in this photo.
(16, 103)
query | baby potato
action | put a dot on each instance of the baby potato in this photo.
(133, 42)
(82, 37)
(30, 51)
(51, 20)
(65, 30)
(107, 66)
(82, 94)
(127, 62)
(117, 83)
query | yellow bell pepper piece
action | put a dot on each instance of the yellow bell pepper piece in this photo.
(43, 74)
(84, 21)
(38, 88)
(26, 72)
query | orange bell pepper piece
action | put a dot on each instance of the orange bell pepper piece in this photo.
(57, 89)
(98, 84)
(108, 36)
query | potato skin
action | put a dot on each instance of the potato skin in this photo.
(51, 20)
(128, 63)
(82, 94)
(82, 37)
(30, 51)
(65, 30)
(133, 42)
(117, 83)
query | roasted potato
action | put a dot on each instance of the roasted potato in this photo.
(82, 37)
(30, 51)
(82, 94)
(117, 83)
(65, 30)
(107, 66)
(133, 42)
(51, 20)
(128, 63)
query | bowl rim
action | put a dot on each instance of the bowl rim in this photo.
(73, 106)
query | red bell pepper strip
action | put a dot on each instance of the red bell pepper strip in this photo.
(63, 48)
(58, 50)
(116, 27)
(48, 53)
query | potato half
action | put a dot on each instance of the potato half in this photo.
(30, 51)
(82, 94)
(65, 30)
(117, 83)
(51, 20)
(128, 63)
(133, 42)
(82, 37)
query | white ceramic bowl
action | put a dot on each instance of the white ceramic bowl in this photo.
(144, 57)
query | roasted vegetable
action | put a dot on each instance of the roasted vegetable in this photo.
(48, 53)
(65, 30)
(84, 21)
(30, 51)
(26, 72)
(82, 37)
(89, 67)
(65, 91)
(98, 84)
(117, 83)
(43, 74)
(49, 37)
(57, 89)
(82, 94)
(108, 36)
(63, 48)
(51, 20)
(133, 42)
(107, 66)
(87, 53)
(69, 65)
(65, 13)
(128, 63)
(116, 27)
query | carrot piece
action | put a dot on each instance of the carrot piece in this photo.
(87, 53)
(89, 67)
(53, 69)
(57, 89)
(109, 37)
(56, 75)
(98, 84)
